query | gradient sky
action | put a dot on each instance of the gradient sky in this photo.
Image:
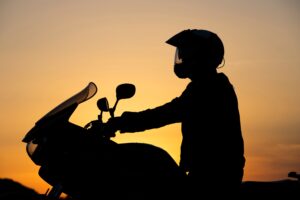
(51, 49)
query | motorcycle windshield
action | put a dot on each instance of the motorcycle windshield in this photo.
(88, 92)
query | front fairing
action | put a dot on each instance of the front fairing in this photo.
(47, 121)
(57, 116)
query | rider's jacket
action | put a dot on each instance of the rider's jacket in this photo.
(212, 141)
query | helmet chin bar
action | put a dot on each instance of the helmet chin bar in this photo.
(182, 71)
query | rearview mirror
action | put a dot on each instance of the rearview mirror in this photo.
(125, 91)
(102, 104)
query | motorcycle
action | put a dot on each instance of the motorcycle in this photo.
(84, 162)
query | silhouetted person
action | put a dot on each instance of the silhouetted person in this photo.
(212, 149)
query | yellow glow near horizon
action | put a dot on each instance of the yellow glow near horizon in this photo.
(50, 50)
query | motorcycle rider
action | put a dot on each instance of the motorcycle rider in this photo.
(212, 148)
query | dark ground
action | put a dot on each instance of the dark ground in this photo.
(282, 189)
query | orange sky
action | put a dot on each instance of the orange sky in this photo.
(50, 49)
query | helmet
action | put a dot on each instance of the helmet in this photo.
(201, 45)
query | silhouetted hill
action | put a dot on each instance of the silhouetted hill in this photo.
(281, 189)
(12, 190)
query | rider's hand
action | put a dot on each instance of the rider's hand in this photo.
(112, 126)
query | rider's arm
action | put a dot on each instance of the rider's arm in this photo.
(151, 118)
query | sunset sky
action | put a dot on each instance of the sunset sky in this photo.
(51, 49)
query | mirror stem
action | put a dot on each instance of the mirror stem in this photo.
(112, 110)
(100, 116)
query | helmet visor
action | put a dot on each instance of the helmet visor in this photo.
(178, 59)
